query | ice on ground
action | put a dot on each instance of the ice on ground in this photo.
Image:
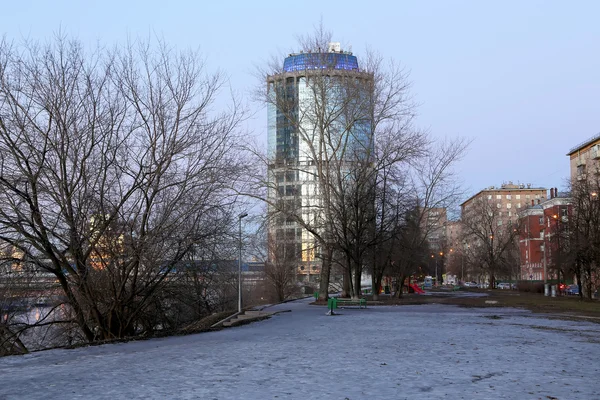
(390, 352)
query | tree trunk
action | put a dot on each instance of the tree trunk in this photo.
(375, 285)
(346, 282)
(325, 275)
(357, 282)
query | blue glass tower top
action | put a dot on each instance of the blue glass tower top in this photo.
(304, 61)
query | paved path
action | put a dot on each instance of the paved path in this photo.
(388, 352)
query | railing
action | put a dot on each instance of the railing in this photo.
(584, 143)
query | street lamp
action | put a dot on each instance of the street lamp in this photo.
(240, 263)
(441, 265)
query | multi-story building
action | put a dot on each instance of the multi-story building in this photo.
(509, 199)
(585, 160)
(542, 229)
(299, 155)
(455, 248)
(434, 226)
(490, 228)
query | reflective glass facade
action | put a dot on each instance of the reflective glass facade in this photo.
(307, 61)
(295, 146)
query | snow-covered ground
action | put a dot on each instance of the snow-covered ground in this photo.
(407, 352)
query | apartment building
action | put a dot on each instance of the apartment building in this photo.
(585, 160)
(542, 229)
(508, 199)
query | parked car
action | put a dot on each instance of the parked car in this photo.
(503, 285)
(470, 284)
(572, 290)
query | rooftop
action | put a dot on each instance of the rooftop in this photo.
(584, 144)
(330, 60)
(506, 187)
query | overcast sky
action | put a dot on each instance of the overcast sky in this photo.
(521, 78)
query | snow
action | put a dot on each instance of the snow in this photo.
(391, 352)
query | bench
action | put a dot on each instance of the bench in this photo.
(335, 302)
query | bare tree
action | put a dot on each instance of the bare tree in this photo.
(352, 124)
(430, 184)
(582, 230)
(279, 255)
(492, 239)
(112, 170)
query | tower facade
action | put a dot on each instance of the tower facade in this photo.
(319, 125)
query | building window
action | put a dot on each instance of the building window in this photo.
(499, 205)
(527, 196)
(489, 196)
(508, 197)
(498, 196)
(499, 222)
(518, 205)
(509, 205)
(541, 221)
(518, 197)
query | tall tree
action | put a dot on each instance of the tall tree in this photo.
(112, 169)
(582, 246)
(491, 238)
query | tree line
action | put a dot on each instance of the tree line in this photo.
(121, 182)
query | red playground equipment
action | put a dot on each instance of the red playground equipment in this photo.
(416, 288)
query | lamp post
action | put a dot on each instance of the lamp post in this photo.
(441, 265)
(435, 263)
(240, 263)
(462, 265)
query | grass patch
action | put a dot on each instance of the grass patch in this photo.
(564, 307)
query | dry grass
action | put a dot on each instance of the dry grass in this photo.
(567, 307)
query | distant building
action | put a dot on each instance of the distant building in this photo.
(434, 226)
(509, 199)
(539, 240)
(455, 248)
(585, 160)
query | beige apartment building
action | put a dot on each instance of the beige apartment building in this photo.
(585, 160)
(509, 199)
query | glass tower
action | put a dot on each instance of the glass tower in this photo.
(318, 114)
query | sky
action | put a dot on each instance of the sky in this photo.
(430, 351)
(521, 79)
